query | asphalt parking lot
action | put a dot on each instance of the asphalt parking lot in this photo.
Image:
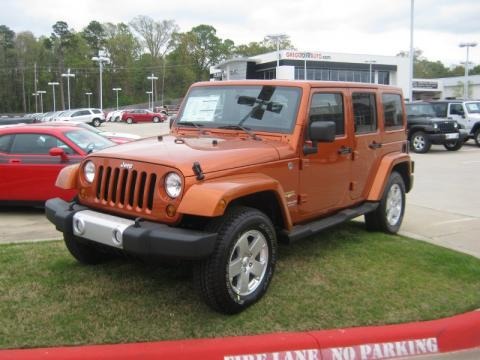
(443, 207)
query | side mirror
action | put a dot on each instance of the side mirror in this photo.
(319, 131)
(56, 151)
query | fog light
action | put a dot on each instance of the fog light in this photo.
(117, 237)
(78, 226)
(171, 210)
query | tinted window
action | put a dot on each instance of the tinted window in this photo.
(456, 109)
(96, 111)
(392, 111)
(5, 142)
(364, 112)
(81, 113)
(38, 144)
(328, 107)
(440, 109)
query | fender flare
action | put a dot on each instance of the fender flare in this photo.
(386, 166)
(212, 197)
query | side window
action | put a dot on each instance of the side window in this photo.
(392, 111)
(364, 112)
(328, 107)
(37, 144)
(77, 113)
(456, 109)
(5, 142)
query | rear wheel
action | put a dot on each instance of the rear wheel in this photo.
(240, 270)
(83, 252)
(419, 142)
(453, 146)
(129, 120)
(476, 137)
(389, 214)
(96, 122)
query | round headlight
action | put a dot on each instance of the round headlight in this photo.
(455, 125)
(173, 185)
(435, 126)
(89, 171)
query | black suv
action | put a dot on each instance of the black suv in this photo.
(425, 128)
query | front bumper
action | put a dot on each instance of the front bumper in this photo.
(142, 238)
(439, 139)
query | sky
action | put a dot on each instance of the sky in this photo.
(376, 27)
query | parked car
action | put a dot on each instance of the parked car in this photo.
(142, 115)
(425, 128)
(116, 115)
(116, 137)
(466, 113)
(31, 156)
(90, 116)
(277, 160)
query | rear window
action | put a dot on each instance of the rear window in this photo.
(392, 111)
(96, 111)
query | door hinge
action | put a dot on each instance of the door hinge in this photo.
(304, 163)
(302, 198)
(353, 185)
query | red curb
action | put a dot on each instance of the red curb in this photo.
(380, 342)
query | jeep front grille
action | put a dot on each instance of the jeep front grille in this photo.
(447, 127)
(125, 188)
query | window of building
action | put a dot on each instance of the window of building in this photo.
(328, 107)
(364, 112)
(384, 77)
(392, 111)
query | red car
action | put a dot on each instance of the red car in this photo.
(31, 157)
(142, 115)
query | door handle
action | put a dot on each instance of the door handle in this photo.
(344, 150)
(375, 145)
(14, 161)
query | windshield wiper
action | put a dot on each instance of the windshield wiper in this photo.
(190, 123)
(240, 127)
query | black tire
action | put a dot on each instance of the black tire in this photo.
(453, 146)
(419, 142)
(379, 220)
(156, 119)
(129, 120)
(96, 122)
(239, 226)
(476, 137)
(85, 253)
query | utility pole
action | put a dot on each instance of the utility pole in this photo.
(35, 85)
(53, 84)
(152, 77)
(163, 79)
(465, 88)
(41, 92)
(101, 59)
(88, 97)
(68, 75)
(117, 90)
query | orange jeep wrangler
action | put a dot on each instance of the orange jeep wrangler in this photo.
(246, 163)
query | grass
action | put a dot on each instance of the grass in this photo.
(344, 277)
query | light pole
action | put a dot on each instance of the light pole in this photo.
(465, 88)
(41, 92)
(370, 62)
(153, 78)
(163, 79)
(53, 84)
(117, 90)
(88, 97)
(277, 38)
(149, 94)
(101, 60)
(68, 75)
(36, 102)
(411, 55)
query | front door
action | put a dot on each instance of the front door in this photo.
(325, 174)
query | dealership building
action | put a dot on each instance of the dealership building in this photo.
(328, 66)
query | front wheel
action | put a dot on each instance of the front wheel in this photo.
(476, 137)
(389, 214)
(156, 119)
(129, 121)
(420, 143)
(453, 146)
(96, 122)
(83, 252)
(240, 270)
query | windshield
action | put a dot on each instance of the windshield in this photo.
(259, 108)
(88, 141)
(420, 110)
(473, 107)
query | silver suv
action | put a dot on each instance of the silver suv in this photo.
(465, 113)
(90, 116)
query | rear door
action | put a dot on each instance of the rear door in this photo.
(367, 141)
(325, 175)
(29, 172)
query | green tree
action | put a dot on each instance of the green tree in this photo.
(95, 36)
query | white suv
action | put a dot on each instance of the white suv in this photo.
(465, 113)
(90, 116)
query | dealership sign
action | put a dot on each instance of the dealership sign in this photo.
(305, 55)
(386, 350)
